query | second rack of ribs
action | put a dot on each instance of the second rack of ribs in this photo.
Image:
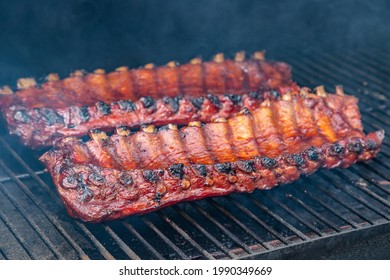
(114, 176)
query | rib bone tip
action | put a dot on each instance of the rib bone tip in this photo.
(172, 64)
(172, 127)
(240, 56)
(122, 69)
(259, 55)
(24, 83)
(220, 120)
(5, 90)
(195, 123)
(98, 135)
(123, 131)
(149, 66)
(196, 60)
(52, 77)
(219, 57)
(339, 90)
(99, 71)
(148, 128)
(320, 91)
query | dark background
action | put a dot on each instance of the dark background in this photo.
(41, 36)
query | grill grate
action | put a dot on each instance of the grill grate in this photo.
(320, 210)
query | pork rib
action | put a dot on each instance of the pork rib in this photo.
(110, 177)
(196, 78)
(39, 127)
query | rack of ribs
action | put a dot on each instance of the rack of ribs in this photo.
(259, 147)
(174, 93)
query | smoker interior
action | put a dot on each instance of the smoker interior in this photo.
(330, 214)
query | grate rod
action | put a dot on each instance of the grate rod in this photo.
(205, 232)
(221, 227)
(55, 198)
(185, 235)
(297, 217)
(241, 225)
(40, 233)
(20, 239)
(164, 238)
(358, 198)
(313, 212)
(21, 176)
(130, 228)
(50, 217)
(263, 224)
(353, 180)
(130, 253)
(326, 206)
(334, 197)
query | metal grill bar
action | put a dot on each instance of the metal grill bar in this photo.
(329, 208)
(275, 216)
(144, 242)
(313, 212)
(342, 203)
(165, 239)
(205, 232)
(121, 244)
(293, 214)
(98, 245)
(221, 227)
(37, 229)
(244, 227)
(19, 238)
(186, 236)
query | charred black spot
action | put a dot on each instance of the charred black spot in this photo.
(202, 170)
(245, 111)
(214, 99)
(356, 146)
(157, 197)
(174, 102)
(177, 170)
(298, 159)
(125, 179)
(268, 162)
(71, 125)
(337, 149)
(126, 105)
(103, 108)
(49, 116)
(83, 113)
(197, 102)
(223, 167)
(150, 176)
(254, 94)
(235, 98)
(371, 145)
(96, 179)
(21, 116)
(147, 101)
(85, 193)
(312, 154)
(275, 93)
(249, 166)
(69, 182)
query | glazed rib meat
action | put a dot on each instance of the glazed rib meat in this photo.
(111, 177)
(196, 78)
(151, 95)
(42, 126)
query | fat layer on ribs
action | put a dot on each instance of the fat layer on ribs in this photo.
(110, 177)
